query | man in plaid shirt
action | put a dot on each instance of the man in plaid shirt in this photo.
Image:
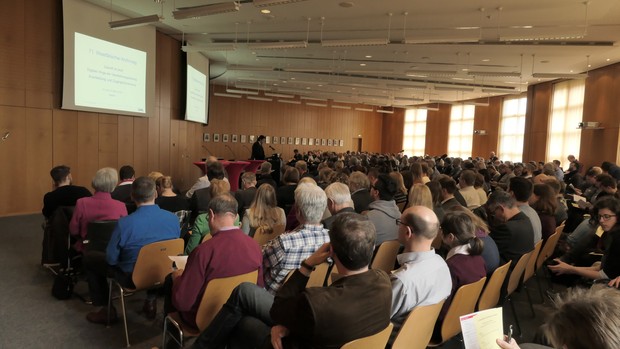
(287, 251)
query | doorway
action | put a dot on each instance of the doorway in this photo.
(356, 144)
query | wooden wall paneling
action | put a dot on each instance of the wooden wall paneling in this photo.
(141, 146)
(437, 131)
(486, 118)
(39, 52)
(164, 140)
(38, 159)
(153, 141)
(87, 150)
(13, 152)
(12, 51)
(125, 141)
(392, 135)
(108, 141)
(174, 153)
(65, 137)
(183, 162)
(537, 121)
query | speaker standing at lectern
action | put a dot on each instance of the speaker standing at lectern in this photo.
(257, 149)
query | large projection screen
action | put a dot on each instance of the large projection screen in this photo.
(105, 70)
(197, 89)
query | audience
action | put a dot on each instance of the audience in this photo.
(400, 197)
(383, 210)
(122, 192)
(467, 179)
(245, 196)
(64, 192)
(285, 194)
(359, 185)
(263, 212)
(543, 201)
(167, 199)
(263, 175)
(99, 207)
(148, 224)
(521, 189)
(448, 188)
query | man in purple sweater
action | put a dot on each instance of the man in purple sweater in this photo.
(230, 252)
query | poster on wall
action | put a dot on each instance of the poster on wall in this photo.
(290, 140)
(317, 142)
(304, 141)
(268, 139)
(297, 141)
(342, 142)
(216, 137)
(282, 140)
(206, 137)
(234, 138)
(335, 142)
(323, 141)
(311, 141)
(329, 142)
(225, 138)
(275, 139)
(252, 139)
(244, 138)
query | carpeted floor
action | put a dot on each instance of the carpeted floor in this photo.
(32, 318)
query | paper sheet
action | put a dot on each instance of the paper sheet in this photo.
(180, 261)
(481, 329)
(577, 198)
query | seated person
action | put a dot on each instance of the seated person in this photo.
(286, 193)
(167, 199)
(263, 212)
(122, 192)
(246, 194)
(338, 202)
(147, 225)
(582, 319)
(284, 253)
(99, 207)
(263, 175)
(201, 225)
(64, 192)
(311, 317)
(230, 252)
(199, 200)
(383, 210)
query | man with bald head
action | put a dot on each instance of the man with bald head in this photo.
(424, 277)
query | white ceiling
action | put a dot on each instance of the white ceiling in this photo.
(455, 39)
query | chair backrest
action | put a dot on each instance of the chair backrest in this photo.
(153, 263)
(317, 277)
(98, 234)
(216, 294)
(517, 273)
(463, 303)
(401, 206)
(206, 237)
(490, 296)
(386, 256)
(417, 329)
(264, 234)
(549, 246)
(530, 268)
(376, 341)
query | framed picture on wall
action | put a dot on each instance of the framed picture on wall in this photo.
(329, 142)
(282, 140)
(252, 138)
(317, 141)
(234, 138)
(216, 137)
(206, 137)
(310, 141)
(290, 140)
(297, 141)
(276, 139)
(225, 138)
(268, 139)
(335, 142)
(304, 141)
(342, 142)
(323, 141)
(244, 138)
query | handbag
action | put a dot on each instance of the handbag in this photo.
(63, 284)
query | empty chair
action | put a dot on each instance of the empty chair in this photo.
(262, 235)
(417, 329)
(530, 270)
(215, 295)
(493, 289)
(376, 341)
(150, 270)
(463, 303)
(386, 256)
(513, 283)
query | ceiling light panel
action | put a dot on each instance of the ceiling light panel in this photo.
(206, 10)
(134, 22)
(265, 3)
(354, 42)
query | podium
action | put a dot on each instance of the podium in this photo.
(234, 169)
(254, 165)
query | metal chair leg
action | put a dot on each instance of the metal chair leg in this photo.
(529, 299)
(514, 313)
(110, 284)
(169, 320)
(124, 314)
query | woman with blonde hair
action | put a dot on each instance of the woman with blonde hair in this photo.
(264, 211)
(401, 193)
(420, 195)
(167, 199)
(201, 224)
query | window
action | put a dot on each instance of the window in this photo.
(414, 133)
(511, 129)
(461, 130)
(564, 137)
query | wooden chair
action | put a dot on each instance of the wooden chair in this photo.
(215, 295)
(463, 303)
(376, 341)
(546, 252)
(530, 270)
(318, 278)
(150, 270)
(401, 206)
(491, 294)
(386, 256)
(513, 283)
(417, 329)
(262, 235)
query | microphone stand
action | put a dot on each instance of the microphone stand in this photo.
(233, 153)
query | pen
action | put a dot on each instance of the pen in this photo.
(509, 333)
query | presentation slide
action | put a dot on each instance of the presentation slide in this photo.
(109, 76)
(197, 88)
(196, 107)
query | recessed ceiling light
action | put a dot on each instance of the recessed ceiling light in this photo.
(545, 61)
(292, 78)
(362, 64)
(608, 59)
(571, 71)
(465, 69)
(368, 56)
(307, 88)
(320, 85)
(425, 57)
(486, 60)
(346, 4)
(265, 11)
(589, 65)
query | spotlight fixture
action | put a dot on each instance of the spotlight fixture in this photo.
(206, 10)
(277, 45)
(354, 42)
(265, 3)
(134, 22)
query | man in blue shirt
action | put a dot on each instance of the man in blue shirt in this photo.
(146, 225)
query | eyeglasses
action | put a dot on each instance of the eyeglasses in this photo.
(606, 217)
(400, 222)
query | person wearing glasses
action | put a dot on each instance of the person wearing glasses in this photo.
(605, 212)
